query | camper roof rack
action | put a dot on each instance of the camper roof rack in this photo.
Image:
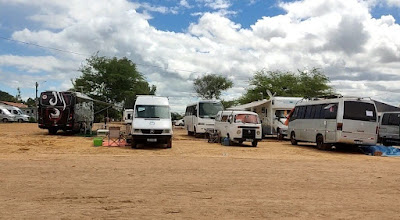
(334, 96)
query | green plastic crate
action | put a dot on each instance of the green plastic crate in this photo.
(97, 142)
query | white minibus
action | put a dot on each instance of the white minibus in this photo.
(389, 128)
(335, 121)
(200, 116)
(151, 121)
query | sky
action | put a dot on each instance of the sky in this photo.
(356, 43)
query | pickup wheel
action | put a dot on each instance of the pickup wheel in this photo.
(293, 140)
(320, 143)
(254, 143)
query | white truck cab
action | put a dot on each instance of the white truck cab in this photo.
(151, 121)
(239, 126)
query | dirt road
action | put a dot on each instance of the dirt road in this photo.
(65, 177)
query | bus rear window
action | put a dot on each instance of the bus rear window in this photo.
(55, 99)
(360, 111)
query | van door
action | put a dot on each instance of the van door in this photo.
(330, 122)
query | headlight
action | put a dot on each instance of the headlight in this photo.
(258, 132)
(238, 132)
(166, 131)
(136, 131)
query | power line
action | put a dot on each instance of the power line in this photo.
(81, 54)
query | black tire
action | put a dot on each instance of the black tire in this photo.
(169, 143)
(20, 121)
(293, 140)
(196, 135)
(5, 120)
(385, 143)
(134, 145)
(240, 142)
(254, 143)
(279, 135)
(320, 143)
(53, 131)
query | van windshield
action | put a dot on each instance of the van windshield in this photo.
(247, 118)
(281, 113)
(209, 109)
(359, 111)
(152, 111)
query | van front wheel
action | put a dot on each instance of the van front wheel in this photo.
(293, 140)
(5, 120)
(320, 143)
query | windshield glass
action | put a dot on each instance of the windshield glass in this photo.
(359, 111)
(209, 109)
(246, 118)
(281, 113)
(55, 99)
(152, 111)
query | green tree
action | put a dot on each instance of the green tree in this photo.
(112, 80)
(18, 96)
(30, 102)
(176, 116)
(304, 84)
(211, 86)
(4, 96)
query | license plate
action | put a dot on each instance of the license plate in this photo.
(151, 139)
(250, 140)
(358, 142)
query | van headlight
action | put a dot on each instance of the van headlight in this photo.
(258, 132)
(136, 131)
(166, 131)
(238, 132)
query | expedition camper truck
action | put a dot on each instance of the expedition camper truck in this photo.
(19, 115)
(151, 121)
(68, 111)
(238, 126)
(389, 128)
(200, 116)
(272, 112)
(335, 121)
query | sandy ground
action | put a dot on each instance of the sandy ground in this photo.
(66, 177)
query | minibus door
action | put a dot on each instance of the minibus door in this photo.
(330, 131)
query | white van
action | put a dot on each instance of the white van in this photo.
(389, 128)
(19, 115)
(151, 121)
(200, 116)
(5, 115)
(128, 116)
(239, 126)
(334, 121)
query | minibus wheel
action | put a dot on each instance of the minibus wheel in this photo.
(5, 120)
(293, 140)
(169, 143)
(320, 143)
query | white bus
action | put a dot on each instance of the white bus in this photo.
(200, 116)
(389, 128)
(334, 121)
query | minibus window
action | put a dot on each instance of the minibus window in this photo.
(394, 119)
(330, 111)
(385, 119)
(308, 111)
(361, 111)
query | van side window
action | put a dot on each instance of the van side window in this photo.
(224, 118)
(308, 112)
(194, 111)
(317, 113)
(394, 119)
(330, 111)
(385, 119)
(302, 112)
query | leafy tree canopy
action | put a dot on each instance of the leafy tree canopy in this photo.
(304, 84)
(5, 96)
(112, 80)
(211, 86)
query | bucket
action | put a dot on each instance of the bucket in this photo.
(97, 142)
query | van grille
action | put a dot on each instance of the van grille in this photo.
(249, 133)
(152, 131)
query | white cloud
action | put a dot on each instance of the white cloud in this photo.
(395, 3)
(338, 36)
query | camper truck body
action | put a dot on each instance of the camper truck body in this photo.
(68, 111)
